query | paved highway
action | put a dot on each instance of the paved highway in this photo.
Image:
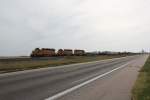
(52, 83)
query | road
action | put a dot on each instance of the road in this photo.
(56, 82)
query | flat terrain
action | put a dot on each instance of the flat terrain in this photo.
(141, 90)
(24, 63)
(46, 83)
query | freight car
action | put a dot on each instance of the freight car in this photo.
(79, 52)
(68, 52)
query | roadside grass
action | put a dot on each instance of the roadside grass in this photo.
(10, 65)
(141, 89)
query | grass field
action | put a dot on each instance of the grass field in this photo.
(141, 90)
(9, 65)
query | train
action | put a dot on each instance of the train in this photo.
(50, 52)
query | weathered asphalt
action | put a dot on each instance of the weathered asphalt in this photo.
(40, 84)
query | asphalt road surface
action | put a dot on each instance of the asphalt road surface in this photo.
(56, 82)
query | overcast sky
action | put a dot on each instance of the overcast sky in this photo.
(115, 25)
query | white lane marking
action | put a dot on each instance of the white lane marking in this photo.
(54, 97)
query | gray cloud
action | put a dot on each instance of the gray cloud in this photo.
(116, 25)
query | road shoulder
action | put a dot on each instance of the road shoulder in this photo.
(116, 86)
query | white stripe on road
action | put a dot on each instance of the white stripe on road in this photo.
(56, 96)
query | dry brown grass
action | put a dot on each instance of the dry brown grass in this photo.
(15, 65)
(141, 90)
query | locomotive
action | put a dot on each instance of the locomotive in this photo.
(49, 52)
